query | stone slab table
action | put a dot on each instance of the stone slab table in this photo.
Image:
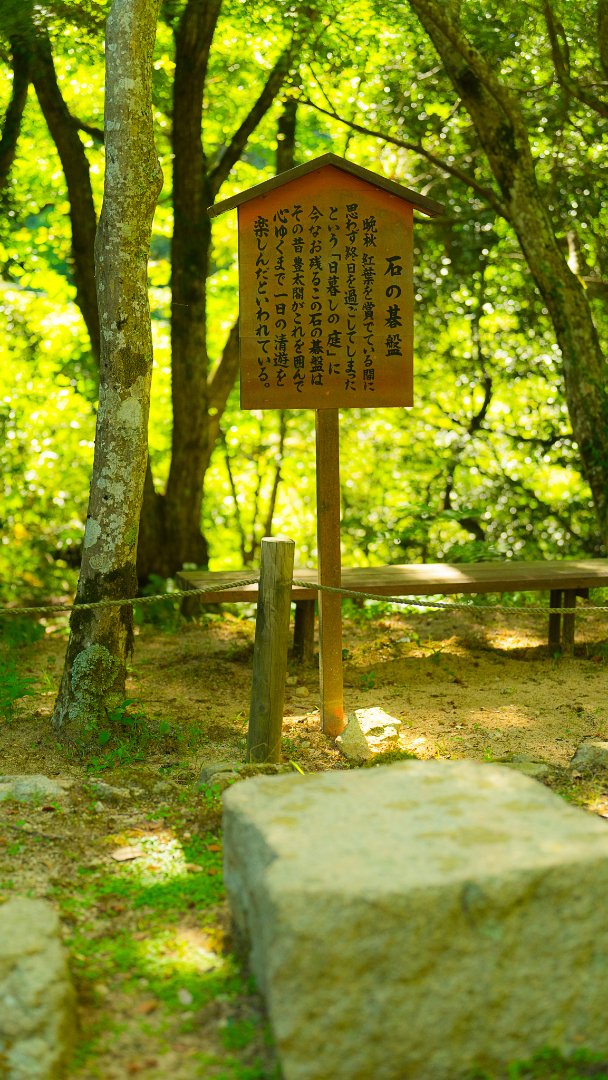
(419, 920)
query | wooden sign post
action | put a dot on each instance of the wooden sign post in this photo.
(326, 323)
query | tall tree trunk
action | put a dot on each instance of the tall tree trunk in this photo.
(171, 523)
(501, 127)
(190, 253)
(64, 132)
(100, 640)
(11, 127)
(286, 136)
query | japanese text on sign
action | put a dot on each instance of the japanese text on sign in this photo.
(326, 296)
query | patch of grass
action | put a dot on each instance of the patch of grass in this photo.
(255, 1071)
(163, 614)
(549, 1064)
(16, 632)
(157, 957)
(238, 1034)
(13, 687)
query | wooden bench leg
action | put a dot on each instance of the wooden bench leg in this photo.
(304, 631)
(555, 635)
(568, 622)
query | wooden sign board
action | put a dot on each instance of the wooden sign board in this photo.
(326, 288)
(326, 295)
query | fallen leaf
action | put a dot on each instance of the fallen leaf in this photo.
(140, 935)
(213, 870)
(146, 1007)
(214, 847)
(50, 809)
(124, 854)
(180, 1048)
(193, 867)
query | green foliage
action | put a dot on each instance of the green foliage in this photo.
(237, 1034)
(128, 736)
(163, 614)
(484, 465)
(15, 631)
(551, 1065)
(13, 687)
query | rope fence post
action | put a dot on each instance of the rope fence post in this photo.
(270, 650)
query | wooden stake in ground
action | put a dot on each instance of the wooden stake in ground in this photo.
(100, 641)
(328, 548)
(270, 651)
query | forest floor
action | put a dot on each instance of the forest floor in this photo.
(160, 993)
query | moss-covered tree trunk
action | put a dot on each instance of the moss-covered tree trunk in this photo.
(100, 640)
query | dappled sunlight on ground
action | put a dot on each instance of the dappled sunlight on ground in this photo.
(138, 880)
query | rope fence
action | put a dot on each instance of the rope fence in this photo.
(404, 601)
(451, 604)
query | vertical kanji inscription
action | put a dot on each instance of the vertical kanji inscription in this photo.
(328, 322)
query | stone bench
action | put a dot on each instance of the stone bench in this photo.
(419, 920)
(564, 579)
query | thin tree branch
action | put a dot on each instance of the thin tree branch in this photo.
(562, 65)
(235, 148)
(237, 509)
(277, 475)
(11, 127)
(602, 34)
(222, 378)
(95, 132)
(417, 148)
(63, 129)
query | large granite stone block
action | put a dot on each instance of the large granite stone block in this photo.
(37, 1001)
(419, 920)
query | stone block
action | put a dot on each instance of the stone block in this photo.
(590, 754)
(536, 769)
(223, 773)
(419, 920)
(25, 788)
(37, 1005)
(367, 732)
(109, 793)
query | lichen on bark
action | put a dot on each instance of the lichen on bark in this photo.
(100, 640)
(94, 675)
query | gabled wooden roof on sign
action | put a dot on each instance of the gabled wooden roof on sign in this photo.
(427, 206)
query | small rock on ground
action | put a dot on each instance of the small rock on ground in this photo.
(223, 773)
(367, 732)
(536, 769)
(27, 788)
(589, 753)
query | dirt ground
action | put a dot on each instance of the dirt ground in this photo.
(149, 940)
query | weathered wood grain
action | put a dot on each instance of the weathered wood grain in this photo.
(422, 579)
(328, 547)
(270, 650)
